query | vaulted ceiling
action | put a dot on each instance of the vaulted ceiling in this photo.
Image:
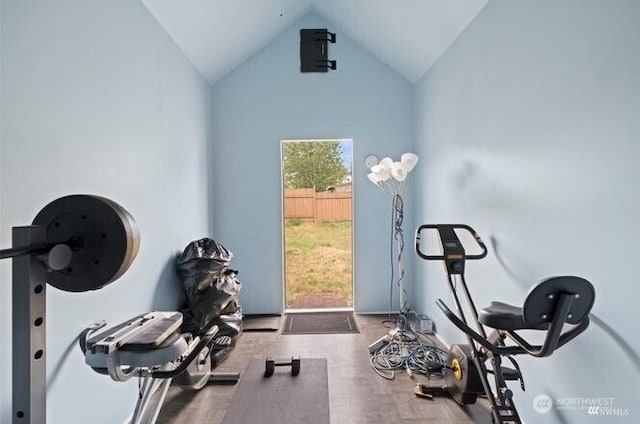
(408, 35)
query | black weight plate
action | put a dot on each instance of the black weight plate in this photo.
(107, 236)
(269, 367)
(295, 365)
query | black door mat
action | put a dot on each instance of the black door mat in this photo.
(261, 322)
(320, 323)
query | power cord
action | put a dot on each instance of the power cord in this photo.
(404, 348)
(409, 351)
(397, 217)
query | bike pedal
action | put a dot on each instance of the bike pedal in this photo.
(222, 341)
(510, 373)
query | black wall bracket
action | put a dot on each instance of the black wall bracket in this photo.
(313, 50)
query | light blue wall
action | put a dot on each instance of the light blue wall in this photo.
(529, 130)
(97, 99)
(267, 99)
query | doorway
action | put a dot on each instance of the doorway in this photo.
(317, 230)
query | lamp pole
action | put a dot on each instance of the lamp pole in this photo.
(398, 211)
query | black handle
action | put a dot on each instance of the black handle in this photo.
(206, 339)
(449, 227)
(25, 250)
(479, 241)
(418, 251)
(38, 248)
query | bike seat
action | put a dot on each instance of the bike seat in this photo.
(503, 316)
(540, 306)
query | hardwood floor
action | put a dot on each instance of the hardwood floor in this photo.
(357, 395)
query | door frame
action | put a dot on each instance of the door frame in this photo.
(282, 227)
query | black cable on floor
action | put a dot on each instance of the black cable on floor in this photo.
(409, 351)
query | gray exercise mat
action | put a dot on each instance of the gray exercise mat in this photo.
(281, 398)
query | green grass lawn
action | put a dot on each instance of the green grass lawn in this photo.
(318, 259)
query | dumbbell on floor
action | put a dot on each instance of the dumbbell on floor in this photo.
(270, 366)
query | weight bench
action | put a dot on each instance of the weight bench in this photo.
(151, 346)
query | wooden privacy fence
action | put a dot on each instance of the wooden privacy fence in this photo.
(307, 205)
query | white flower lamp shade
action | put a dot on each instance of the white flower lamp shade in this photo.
(370, 160)
(386, 162)
(373, 178)
(381, 172)
(408, 161)
(398, 172)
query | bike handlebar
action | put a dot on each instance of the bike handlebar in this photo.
(444, 229)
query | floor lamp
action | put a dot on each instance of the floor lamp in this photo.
(389, 176)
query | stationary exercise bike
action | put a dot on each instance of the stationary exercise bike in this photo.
(549, 305)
